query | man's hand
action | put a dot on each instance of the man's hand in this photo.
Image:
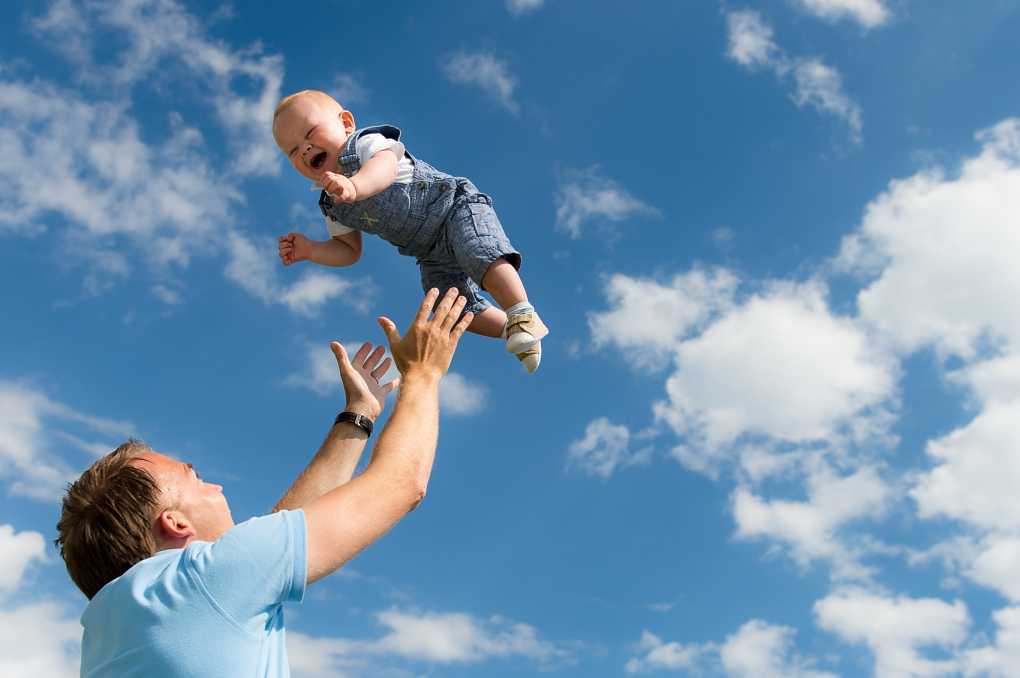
(429, 344)
(360, 377)
(294, 247)
(339, 187)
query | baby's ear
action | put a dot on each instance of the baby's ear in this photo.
(347, 119)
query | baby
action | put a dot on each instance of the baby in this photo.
(371, 184)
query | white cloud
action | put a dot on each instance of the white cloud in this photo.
(437, 638)
(20, 549)
(243, 86)
(995, 564)
(762, 650)
(821, 87)
(646, 318)
(605, 448)
(458, 396)
(254, 266)
(587, 195)
(868, 13)
(750, 40)
(30, 425)
(897, 629)
(523, 6)
(486, 72)
(779, 365)
(756, 650)
(983, 454)
(1001, 659)
(810, 528)
(816, 84)
(348, 90)
(662, 656)
(944, 252)
(39, 639)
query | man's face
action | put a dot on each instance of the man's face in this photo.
(311, 132)
(202, 503)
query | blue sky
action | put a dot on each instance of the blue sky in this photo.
(774, 431)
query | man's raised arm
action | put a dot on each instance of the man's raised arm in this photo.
(345, 520)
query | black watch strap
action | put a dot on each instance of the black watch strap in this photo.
(359, 420)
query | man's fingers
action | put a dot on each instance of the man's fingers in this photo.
(362, 353)
(445, 305)
(390, 330)
(462, 326)
(451, 318)
(426, 305)
(372, 360)
(390, 386)
(342, 361)
(378, 372)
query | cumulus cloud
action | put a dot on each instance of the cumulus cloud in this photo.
(868, 13)
(657, 655)
(762, 650)
(31, 425)
(243, 85)
(942, 252)
(460, 396)
(486, 72)
(647, 318)
(431, 637)
(20, 549)
(1001, 658)
(779, 365)
(809, 528)
(816, 85)
(39, 639)
(604, 449)
(757, 650)
(897, 630)
(587, 195)
(252, 264)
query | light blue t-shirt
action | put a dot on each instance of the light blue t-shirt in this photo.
(211, 609)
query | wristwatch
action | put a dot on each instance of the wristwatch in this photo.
(359, 420)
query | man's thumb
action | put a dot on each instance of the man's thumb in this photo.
(340, 353)
(390, 330)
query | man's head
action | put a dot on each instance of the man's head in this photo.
(311, 128)
(130, 504)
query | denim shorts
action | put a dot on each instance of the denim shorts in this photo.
(472, 239)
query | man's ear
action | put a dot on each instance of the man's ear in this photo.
(347, 119)
(174, 525)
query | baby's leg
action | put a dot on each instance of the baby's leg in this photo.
(488, 321)
(503, 282)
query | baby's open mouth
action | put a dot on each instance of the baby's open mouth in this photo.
(318, 160)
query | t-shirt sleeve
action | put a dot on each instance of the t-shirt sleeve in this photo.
(254, 566)
(335, 228)
(370, 144)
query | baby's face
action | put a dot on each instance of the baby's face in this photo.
(311, 132)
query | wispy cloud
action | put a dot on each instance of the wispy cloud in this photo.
(868, 13)
(523, 6)
(30, 428)
(587, 195)
(815, 84)
(486, 72)
(605, 448)
(252, 264)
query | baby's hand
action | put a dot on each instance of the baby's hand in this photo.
(294, 247)
(339, 187)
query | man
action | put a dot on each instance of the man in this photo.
(176, 589)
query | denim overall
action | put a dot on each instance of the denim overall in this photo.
(441, 220)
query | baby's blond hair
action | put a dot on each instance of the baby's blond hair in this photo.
(291, 98)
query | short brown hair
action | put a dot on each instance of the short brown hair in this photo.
(106, 519)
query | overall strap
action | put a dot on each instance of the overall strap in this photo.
(350, 163)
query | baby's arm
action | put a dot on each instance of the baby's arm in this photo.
(340, 250)
(375, 176)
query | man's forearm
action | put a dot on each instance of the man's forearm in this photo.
(332, 466)
(407, 446)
